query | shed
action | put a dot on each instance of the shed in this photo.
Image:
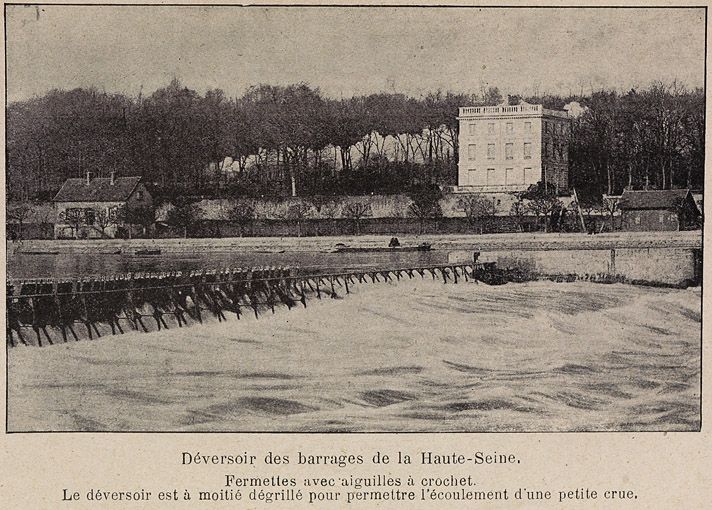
(670, 209)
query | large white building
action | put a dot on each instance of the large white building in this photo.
(509, 148)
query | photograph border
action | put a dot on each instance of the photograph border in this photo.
(368, 6)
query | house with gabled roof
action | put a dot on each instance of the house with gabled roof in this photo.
(668, 209)
(94, 207)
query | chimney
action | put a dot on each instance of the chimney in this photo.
(88, 178)
(113, 178)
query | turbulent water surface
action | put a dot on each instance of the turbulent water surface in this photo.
(413, 356)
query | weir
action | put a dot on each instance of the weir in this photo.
(86, 308)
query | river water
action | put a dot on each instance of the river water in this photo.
(85, 264)
(415, 355)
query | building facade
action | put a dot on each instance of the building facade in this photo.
(92, 208)
(508, 148)
(672, 209)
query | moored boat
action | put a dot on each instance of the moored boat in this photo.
(340, 248)
(148, 252)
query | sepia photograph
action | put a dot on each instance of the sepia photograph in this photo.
(354, 219)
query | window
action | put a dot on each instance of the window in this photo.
(476, 177)
(510, 127)
(491, 176)
(471, 151)
(490, 128)
(139, 195)
(72, 214)
(637, 220)
(529, 177)
(546, 149)
(89, 216)
(662, 217)
(472, 128)
(528, 127)
(509, 151)
(527, 150)
(508, 175)
(514, 176)
(490, 151)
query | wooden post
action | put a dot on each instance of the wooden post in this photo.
(612, 269)
(303, 296)
(194, 297)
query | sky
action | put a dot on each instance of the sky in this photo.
(350, 51)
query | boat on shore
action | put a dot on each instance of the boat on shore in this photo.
(148, 252)
(342, 248)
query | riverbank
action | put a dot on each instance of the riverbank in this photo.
(415, 355)
(518, 241)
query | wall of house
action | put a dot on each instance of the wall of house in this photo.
(62, 229)
(641, 220)
(140, 198)
(484, 170)
(492, 154)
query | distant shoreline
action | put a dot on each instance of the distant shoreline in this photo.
(518, 241)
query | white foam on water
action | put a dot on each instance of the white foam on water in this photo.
(417, 355)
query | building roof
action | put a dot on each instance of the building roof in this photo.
(656, 199)
(98, 190)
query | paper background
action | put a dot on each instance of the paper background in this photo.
(666, 470)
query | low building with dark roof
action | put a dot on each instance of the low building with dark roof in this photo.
(92, 208)
(669, 209)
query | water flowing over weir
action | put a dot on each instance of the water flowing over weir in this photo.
(86, 308)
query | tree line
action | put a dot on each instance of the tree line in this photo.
(292, 140)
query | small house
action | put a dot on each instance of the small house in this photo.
(669, 209)
(95, 208)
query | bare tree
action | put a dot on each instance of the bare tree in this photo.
(477, 209)
(518, 211)
(105, 217)
(73, 217)
(19, 213)
(144, 216)
(298, 212)
(610, 205)
(243, 213)
(426, 203)
(542, 203)
(320, 202)
(184, 216)
(356, 211)
(325, 206)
